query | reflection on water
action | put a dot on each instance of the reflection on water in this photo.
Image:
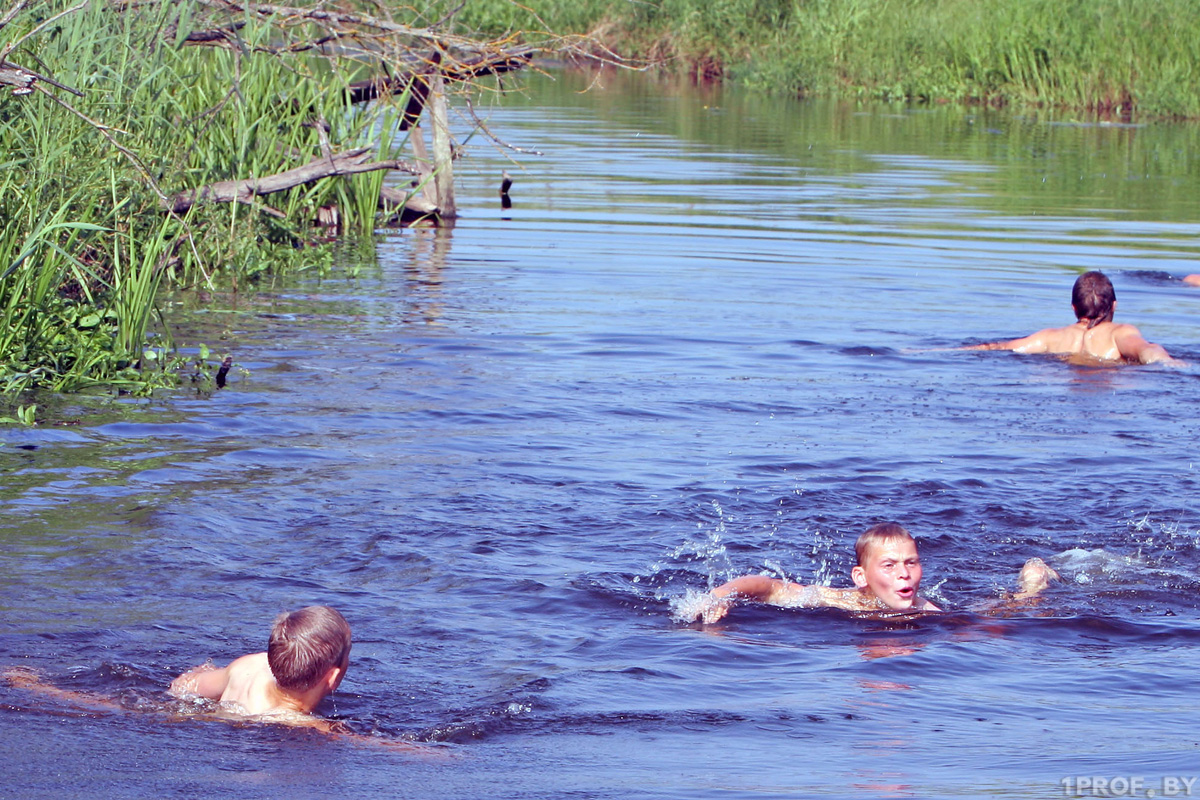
(712, 335)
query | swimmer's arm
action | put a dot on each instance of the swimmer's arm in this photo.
(204, 681)
(1135, 348)
(31, 681)
(772, 591)
(426, 752)
(337, 729)
(1033, 343)
(759, 588)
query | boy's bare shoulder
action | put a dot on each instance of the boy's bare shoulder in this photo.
(1066, 339)
(255, 662)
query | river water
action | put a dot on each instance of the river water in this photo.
(713, 336)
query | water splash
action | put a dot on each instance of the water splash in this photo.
(1086, 567)
(690, 606)
(708, 548)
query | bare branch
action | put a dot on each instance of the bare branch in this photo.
(487, 132)
(11, 14)
(350, 162)
(293, 15)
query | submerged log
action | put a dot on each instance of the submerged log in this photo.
(351, 162)
(443, 150)
(404, 208)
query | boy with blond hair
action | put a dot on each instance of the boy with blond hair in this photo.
(886, 577)
(306, 658)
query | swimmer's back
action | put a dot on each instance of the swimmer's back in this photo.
(251, 685)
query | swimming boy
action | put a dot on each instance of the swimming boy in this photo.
(1094, 333)
(307, 657)
(886, 577)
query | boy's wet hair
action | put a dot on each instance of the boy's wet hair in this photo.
(879, 534)
(305, 645)
(1093, 298)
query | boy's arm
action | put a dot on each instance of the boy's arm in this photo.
(29, 680)
(1135, 348)
(761, 589)
(1033, 343)
(205, 681)
(758, 588)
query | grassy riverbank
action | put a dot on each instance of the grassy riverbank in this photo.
(1111, 56)
(85, 241)
(111, 112)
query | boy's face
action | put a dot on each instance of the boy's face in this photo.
(892, 573)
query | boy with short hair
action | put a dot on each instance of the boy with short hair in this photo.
(1094, 333)
(306, 658)
(886, 577)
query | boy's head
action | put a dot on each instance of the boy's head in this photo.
(888, 565)
(1093, 298)
(308, 647)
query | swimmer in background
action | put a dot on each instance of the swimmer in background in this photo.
(1094, 333)
(886, 577)
(1192, 280)
(306, 658)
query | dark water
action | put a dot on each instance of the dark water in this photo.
(705, 341)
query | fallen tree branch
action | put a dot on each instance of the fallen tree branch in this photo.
(351, 162)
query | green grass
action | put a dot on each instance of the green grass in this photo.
(1109, 56)
(84, 243)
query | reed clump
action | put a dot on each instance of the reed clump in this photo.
(1110, 56)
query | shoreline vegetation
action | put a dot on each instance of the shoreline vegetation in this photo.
(155, 145)
(1112, 58)
(201, 144)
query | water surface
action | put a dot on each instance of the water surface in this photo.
(711, 337)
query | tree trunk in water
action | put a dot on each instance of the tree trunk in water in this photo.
(443, 154)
